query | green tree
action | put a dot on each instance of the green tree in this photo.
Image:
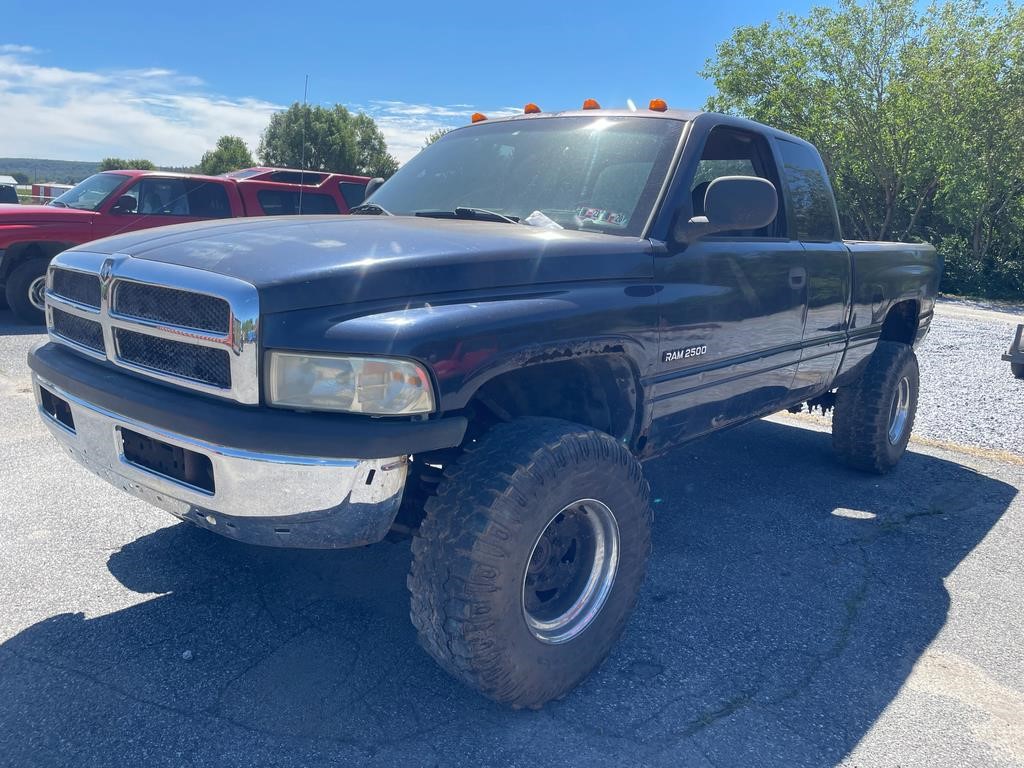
(916, 113)
(229, 155)
(335, 140)
(119, 164)
(435, 135)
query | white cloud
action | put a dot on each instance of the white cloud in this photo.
(163, 115)
(155, 113)
(406, 126)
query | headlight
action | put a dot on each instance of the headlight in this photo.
(375, 385)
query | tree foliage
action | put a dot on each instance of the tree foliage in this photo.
(919, 116)
(336, 140)
(230, 154)
(120, 164)
(435, 135)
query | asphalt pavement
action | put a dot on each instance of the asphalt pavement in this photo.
(795, 614)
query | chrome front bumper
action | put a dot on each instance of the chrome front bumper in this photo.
(277, 500)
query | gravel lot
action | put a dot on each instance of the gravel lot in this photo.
(796, 614)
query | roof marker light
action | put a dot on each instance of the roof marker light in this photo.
(591, 104)
(657, 105)
(531, 109)
(478, 117)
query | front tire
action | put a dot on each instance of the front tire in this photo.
(25, 290)
(1017, 369)
(528, 563)
(874, 417)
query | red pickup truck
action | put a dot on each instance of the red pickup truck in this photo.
(122, 201)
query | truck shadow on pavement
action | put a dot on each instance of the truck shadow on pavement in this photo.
(9, 326)
(786, 603)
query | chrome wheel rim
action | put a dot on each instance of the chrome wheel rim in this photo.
(37, 293)
(899, 411)
(570, 572)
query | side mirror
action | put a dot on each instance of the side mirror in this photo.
(125, 204)
(372, 186)
(732, 202)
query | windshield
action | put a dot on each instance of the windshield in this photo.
(596, 173)
(89, 194)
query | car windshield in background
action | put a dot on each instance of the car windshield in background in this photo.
(89, 194)
(591, 173)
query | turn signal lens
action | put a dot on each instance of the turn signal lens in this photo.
(658, 105)
(531, 109)
(478, 117)
(591, 104)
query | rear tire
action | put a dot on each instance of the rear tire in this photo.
(1017, 369)
(874, 417)
(514, 589)
(24, 290)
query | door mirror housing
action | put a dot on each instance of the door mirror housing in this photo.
(372, 186)
(125, 204)
(730, 203)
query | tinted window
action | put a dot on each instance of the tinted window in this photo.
(810, 194)
(353, 193)
(208, 200)
(731, 152)
(158, 197)
(297, 177)
(8, 194)
(285, 202)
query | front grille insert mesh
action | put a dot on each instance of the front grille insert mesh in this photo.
(172, 306)
(76, 286)
(203, 364)
(88, 333)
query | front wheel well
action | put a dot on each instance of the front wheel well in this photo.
(901, 322)
(599, 392)
(17, 253)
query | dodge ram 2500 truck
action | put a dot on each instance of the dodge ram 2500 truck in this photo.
(529, 308)
(122, 201)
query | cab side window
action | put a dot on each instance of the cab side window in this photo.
(159, 197)
(734, 152)
(814, 208)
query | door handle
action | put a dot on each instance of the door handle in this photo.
(797, 277)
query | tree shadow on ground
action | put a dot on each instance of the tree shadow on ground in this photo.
(771, 631)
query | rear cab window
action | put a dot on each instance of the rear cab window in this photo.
(810, 194)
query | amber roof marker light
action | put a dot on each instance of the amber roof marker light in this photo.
(478, 117)
(591, 104)
(531, 109)
(658, 105)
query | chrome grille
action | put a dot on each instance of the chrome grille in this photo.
(170, 305)
(88, 333)
(210, 366)
(77, 286)
(188, 327)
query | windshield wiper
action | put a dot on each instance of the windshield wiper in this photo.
(59, 204)
(371, 208)
(478, 214)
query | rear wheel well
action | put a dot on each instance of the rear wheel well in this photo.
(599, 392)
(901, 322)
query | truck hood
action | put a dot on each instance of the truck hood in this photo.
(11, 213)
(299, 262)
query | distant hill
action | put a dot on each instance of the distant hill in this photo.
(60, 171)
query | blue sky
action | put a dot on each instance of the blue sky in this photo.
(84, 80)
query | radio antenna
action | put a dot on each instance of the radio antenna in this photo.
(302, 154)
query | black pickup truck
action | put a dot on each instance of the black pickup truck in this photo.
(528, 309)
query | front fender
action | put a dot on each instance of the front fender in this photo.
(468, 343)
